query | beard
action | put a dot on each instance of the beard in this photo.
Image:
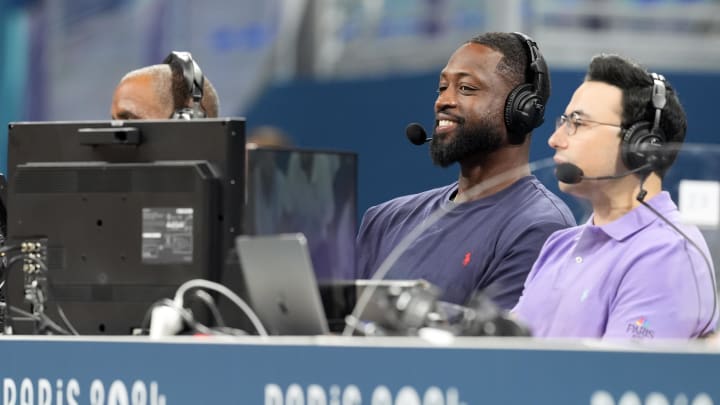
(475, 140)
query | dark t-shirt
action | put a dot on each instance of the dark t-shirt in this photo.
(486, 245)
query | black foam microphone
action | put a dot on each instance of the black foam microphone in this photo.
(568, 173)
(416, 134)
(572, 174)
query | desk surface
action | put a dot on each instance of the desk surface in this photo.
(340, 371)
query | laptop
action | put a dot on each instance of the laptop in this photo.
(280, 284)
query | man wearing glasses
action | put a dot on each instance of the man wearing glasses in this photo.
(633, 270)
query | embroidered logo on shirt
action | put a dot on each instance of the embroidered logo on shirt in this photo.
(466, 260)
(640, 329)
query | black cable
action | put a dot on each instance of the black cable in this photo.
(4, 263)
(40, 320)
(641, 198)
(196, 326)
(188, 319)
(18, 258)
(64, 317)
(9, 248)
(226, 330)
(5, 321)
(43, 319)
(43, 267)
(51, 292)
(8, 263)
(207, 299)
(227, 293)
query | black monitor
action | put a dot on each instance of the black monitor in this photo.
(308, 191)
(130, 211)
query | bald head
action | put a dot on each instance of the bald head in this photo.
(151, 92)
(144, 94)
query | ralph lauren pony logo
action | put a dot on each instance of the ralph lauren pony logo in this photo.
(466, 259)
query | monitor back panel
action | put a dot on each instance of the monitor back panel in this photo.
(219, 141)
(120, 236)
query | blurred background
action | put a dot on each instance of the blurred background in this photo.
(343, 74)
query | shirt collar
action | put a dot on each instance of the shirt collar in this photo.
(487, 200)
(638, 218)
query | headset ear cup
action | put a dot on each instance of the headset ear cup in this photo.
(183, 65)
(521, 113)
(525, 105)
(632, 157)
(640, 146)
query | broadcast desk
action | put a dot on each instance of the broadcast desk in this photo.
(339, 371)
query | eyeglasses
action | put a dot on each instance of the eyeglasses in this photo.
(574, 121)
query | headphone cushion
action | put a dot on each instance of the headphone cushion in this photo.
(640, 146)
(521, 112)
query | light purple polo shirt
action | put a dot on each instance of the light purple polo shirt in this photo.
(632, 278)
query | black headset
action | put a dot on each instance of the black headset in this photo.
(525, 105)
(183, 63)
(642, 143)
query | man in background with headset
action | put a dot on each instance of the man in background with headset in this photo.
(633, 270)
(175, 89)
(491, 95)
